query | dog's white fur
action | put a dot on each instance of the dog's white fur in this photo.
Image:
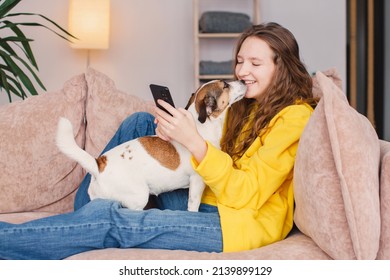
(130, 172)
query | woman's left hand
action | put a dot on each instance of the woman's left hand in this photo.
(181, 128)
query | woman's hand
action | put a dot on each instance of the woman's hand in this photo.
(181, 128)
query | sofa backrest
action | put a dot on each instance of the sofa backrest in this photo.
(35, 175)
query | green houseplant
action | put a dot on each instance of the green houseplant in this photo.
(18, 66)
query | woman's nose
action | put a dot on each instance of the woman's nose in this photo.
(242, 70)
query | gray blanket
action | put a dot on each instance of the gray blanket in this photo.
(223, 22)
(207, 67)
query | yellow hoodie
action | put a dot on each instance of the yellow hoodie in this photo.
(255, 200)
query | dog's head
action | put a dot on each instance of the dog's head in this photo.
(212, 98)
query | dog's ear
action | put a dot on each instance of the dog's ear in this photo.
(190, 101)
(207, 107)
(202, 113)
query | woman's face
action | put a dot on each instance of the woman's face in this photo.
(255, 66)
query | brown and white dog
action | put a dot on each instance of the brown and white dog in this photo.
(148, 165)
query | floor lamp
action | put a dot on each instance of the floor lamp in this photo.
(89, 21)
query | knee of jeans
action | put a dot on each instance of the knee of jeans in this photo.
(136, 119)
(142, 116)
(99, 206)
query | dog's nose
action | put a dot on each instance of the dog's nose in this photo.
(242, 82)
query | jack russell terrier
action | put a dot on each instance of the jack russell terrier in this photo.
(132, 171)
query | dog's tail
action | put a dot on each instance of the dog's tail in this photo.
(67, 144)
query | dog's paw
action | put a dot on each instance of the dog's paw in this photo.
(193, 208)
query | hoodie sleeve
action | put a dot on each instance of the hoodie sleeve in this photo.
(263, 168)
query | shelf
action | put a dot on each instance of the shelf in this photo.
(215, 77)
(200, 37)
(218, 35)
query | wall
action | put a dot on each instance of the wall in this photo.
(151, 41)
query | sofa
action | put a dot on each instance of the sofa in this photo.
(341, 175)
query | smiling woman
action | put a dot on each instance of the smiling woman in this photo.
(255, 65)
(16, 66)
(268, 60)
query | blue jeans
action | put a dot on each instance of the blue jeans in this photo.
(104, 223)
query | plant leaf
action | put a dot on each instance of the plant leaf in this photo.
(15, 38)
(7, 6)
(19, 73)
(16, 70)
(5, 83)
(39, 24)
(25, 43)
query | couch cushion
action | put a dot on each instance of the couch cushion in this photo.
(23, 217)
(107, 107)
(296, 246)
(336, 178)
(384, 248)
(34, 174)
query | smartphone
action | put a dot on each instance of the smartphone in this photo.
(161, 92)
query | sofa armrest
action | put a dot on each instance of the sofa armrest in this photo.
(384, 243)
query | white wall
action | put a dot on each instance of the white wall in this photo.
(151, 41)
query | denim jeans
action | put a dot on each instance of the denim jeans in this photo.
(104, 223)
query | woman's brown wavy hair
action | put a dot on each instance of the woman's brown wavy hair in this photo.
(290, 84)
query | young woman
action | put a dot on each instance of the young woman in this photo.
(249, 199)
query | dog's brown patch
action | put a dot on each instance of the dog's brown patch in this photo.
(222, 103)
(163, 151)
(102, 163)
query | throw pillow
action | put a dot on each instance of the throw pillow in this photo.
(106, 108)
(332, 74)
(34, 174)
(336, 180)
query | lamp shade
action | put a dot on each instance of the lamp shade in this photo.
(89, 21)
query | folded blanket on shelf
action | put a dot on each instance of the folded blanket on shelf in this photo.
(223, 22)
(215, 68)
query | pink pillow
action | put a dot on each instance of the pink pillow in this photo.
(34, 174)
(336, 178)
(384, 249)
(107, 107)
(331, 74)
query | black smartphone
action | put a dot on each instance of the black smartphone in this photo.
(161, 92)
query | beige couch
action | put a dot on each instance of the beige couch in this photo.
(342, 176)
